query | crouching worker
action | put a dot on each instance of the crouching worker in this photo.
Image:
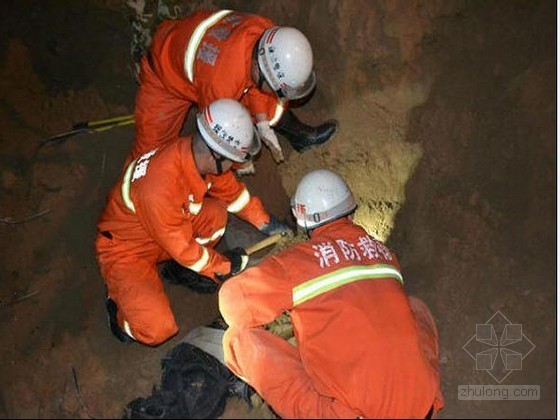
(172, 204)
(363, 348)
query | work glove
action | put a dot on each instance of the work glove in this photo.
(247, 168)
(275, 226)
(268, 137)
(238, 258)
(174, 273)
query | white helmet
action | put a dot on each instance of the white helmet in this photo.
(226, 126)
(286, 60)
(321, 196)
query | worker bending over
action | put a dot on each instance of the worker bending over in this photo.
(363, 348)
(226, 54)
(171, 204)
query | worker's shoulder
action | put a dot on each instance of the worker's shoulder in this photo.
(160, 165)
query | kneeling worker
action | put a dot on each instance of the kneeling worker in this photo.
(171, 204)
(364, 348)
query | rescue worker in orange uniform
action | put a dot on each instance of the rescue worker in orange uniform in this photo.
(226, 54)
(171, 204)
(363, 348)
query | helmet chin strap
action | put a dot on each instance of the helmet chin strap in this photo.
(307, 230)
(219, 168)
(261, 80)
(218, 159)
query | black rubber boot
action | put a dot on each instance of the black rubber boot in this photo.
(302, 136)
(174, 273)
(114, 325)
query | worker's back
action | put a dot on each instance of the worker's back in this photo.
(357, 336)
(220, 54)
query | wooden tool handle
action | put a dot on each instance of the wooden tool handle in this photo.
(271, 240)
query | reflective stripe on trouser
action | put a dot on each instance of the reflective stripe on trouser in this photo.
(330, 281)
(273, 367)
(159, 115)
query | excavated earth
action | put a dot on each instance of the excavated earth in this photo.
(447, 135)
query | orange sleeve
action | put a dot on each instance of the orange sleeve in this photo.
(259, 102)
(173, 231)
(239, 201)
(257, 296)
(254, 212)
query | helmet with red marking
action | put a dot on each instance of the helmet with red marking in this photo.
(285, 59)
(226, 126)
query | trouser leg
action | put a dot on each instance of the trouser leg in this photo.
(159, 116)
(143, 309)
(140, 308)
(274, 369)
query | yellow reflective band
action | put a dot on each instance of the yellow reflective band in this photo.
(196, 37)
(240, 202)
(194, 208)
(202, 261)
(218, 234)
(323, 284)
(127, 330)
(278, 112)
(125, 187)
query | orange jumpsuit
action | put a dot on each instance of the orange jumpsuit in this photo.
(162, 208)
(363, 349)
(196, 60)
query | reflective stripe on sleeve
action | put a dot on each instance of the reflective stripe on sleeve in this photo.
(278, 112)
(202, 261)
(196, 37)
(218, 234)
(240, 202)
(125, 187)
(328, 282)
